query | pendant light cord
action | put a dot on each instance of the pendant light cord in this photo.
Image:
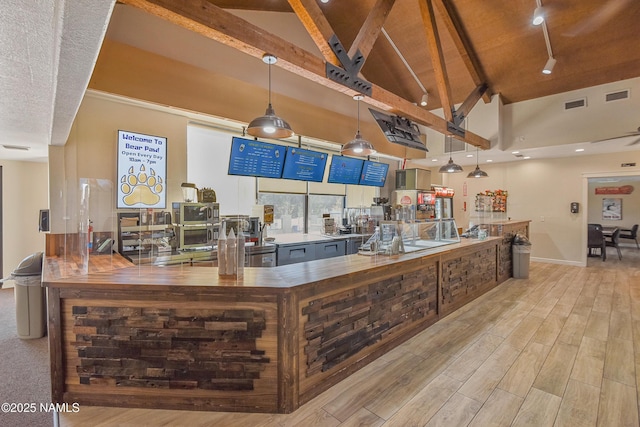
(358, 115)
(269, 82)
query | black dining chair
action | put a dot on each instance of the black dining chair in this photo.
(614, 241)
(596, 241)
(631, 234)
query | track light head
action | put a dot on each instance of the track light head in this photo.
(548, 67)
(538, 16)
(424, 100)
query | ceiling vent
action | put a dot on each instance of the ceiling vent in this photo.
(578, 103)
(615, 96)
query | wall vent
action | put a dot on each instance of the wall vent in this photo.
(615, 96)
(578, 103)
(457, 146)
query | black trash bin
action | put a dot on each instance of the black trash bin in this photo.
(521, 250)
(30, 297)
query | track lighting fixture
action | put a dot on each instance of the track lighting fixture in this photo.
(538, 16)
(424, 100)
(269, 125)
(548, 67)
(538, 19)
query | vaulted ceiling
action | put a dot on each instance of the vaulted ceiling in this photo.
(447, 47)
(457, 50)
(594, 42)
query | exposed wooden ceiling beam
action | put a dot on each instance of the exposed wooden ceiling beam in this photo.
(437, 57)
(210, 21)
(316, 24)
(371, 28)
(462, 43)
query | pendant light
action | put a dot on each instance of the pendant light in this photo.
(269, 125)
(450, 167)
(477, 173)
(358, 146)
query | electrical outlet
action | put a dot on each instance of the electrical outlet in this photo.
(541, 219)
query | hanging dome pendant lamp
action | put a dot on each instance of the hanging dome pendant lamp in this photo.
(477, 173)
(450, 167)
(358, 146)
(269, 125)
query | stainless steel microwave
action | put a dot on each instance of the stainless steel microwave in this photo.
(196, 236)
(196, 213)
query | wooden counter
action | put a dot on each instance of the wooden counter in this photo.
(181, 338)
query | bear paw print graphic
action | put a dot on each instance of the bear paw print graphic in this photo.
(141, 188)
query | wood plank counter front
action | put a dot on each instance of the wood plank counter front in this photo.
(181, 338)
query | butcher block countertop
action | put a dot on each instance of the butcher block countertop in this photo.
(115, 272)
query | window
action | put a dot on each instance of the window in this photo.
(288, 212)
(290, 215)
(324, 204)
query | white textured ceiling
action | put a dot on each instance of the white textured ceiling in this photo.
(48, 50)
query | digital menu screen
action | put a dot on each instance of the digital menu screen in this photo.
(374, 173)
(345, 170)
(256, 158)
(304, 165)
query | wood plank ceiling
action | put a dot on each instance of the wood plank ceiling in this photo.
(453, 47)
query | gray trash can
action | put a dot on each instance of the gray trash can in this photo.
(30, 297)
(521, 250)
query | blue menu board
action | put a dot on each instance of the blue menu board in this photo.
(256, 158)
(374, 173)
(345, 170)
(304, 165)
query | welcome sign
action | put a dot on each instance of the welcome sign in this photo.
(142, 170)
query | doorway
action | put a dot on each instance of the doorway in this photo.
(620, 187)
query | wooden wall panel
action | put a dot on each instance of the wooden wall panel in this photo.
(210, 352)
(341, 328)
(466, 275)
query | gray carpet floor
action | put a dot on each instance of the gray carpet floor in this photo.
(24, 370)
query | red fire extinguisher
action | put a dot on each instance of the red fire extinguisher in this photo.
(90, 243)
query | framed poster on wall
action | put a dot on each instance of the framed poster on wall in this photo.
(142, 171)
(612, 209)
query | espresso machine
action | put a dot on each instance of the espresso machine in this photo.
(380, 209)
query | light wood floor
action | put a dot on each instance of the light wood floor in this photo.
(561, 348)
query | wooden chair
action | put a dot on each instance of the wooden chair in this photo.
(630, 234)
(613, 242)
(596, 241)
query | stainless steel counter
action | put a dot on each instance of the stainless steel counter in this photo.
(257, 256)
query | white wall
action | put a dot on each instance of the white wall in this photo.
(544, 122)
(208, 153)
(542, 191)
(24, 192)
(91, 154)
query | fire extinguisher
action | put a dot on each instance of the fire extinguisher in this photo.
(90, 243)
